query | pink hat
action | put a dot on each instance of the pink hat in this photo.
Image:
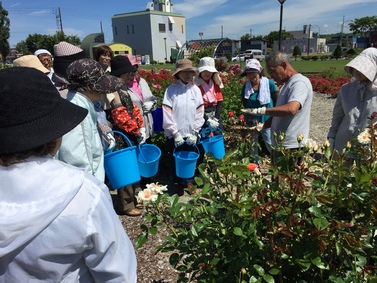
(132, 59)
(252, 65)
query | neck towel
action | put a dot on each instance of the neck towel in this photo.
(264, 96)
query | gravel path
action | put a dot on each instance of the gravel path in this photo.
(155, 268)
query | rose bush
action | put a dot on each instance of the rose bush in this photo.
(315, 222)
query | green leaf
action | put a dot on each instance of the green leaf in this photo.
(140, 241)
(193, 231)
(259, 269)
(268, 278)
(274, 271)
(304, 263)
(174, 259)
(238, 231)
(316, 211)
(153, 230)
(321, 223)
(318, 262)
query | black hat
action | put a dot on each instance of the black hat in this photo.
(32, 111)
(121, 65)
(89, 73)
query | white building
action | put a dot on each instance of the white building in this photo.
(153, 32)
(301, 39)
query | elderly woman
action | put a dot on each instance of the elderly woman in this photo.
(103, 55)
(82, 147)
(356, 100)
(57, 222)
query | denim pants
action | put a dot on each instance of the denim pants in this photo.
(266, 135)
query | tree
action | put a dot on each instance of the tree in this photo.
(36, 41)
(246, 36)
(363, 25)
(338, 52)
(4, 33)
(296, 52)
(274, 36)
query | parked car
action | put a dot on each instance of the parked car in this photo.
(254, 53)
(238, 58)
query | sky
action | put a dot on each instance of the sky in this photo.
(213, 18)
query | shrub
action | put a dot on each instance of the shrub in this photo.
(314, 58)
(317, 224)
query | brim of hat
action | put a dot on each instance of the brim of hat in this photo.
(108, 84)
(207, 68)
(249, 71)
(124, 70)
(362, 64)
(62, 119)
(186, 69)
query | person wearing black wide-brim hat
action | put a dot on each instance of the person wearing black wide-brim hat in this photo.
(127, 118)
(50, 210)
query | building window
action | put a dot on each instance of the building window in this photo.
(116, 31)
(170, 27)
(128, 30)
(133, 29)
(161, 28)
(182, 29)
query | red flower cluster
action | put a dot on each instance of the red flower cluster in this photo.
(326, 85)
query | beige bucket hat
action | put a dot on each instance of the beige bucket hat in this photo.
(184, 65)
(30, 61)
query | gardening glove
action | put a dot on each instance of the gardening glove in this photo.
(258, 127)
(142, 137)
(112, 143)
(178, 140)
(148, 106)
(255, 111)
(191, 139)
(213, 124)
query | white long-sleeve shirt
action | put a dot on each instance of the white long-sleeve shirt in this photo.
(183, 109)
(58, 225)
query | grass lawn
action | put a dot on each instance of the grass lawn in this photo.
(300, 66)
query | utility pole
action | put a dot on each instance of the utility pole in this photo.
(309, 40)
(341, 33)
(59, 22)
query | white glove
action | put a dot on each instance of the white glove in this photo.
(191, 139)
(178, 140)
(147, 106)
(111, 140)
(213, 124)
(255, 111)
(142, 137)
(331, 142)
(258, 127)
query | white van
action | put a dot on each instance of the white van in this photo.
(254, 53)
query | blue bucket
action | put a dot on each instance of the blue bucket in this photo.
(185, 163)
(148, 156)
(157, 120)
(215, 145)
(121, 166)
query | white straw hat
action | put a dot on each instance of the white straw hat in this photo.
(207, 64)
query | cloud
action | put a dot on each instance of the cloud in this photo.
(197, 8)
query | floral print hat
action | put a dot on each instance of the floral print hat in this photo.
(89, 73)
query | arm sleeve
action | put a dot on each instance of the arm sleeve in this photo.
(76, 147)
(219, 108)
(337, 117)
(169, 125)
(112, 256)
(199, 114)
(124, 121)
